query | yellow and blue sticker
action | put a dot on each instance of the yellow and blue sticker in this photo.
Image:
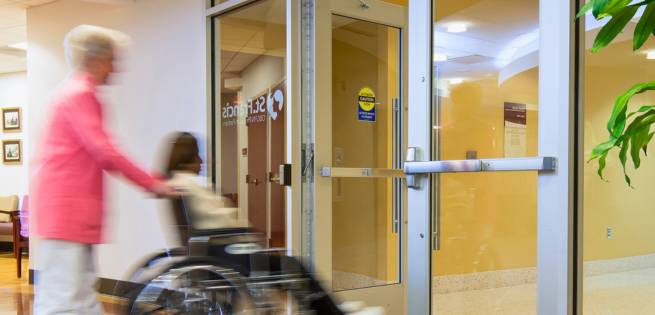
(366, 104)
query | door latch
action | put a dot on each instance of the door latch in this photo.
(412, 180)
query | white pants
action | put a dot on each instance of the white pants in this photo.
(65, 279)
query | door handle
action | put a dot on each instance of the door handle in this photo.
(250, 180)
(355, 172)
(274, 177)
(542, 164)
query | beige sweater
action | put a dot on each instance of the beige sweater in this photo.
(208, 210)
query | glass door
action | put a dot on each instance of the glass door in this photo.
(484, 106)
(488, 181)
(359, 131)
(250, 105)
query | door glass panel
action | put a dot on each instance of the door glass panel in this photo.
(365, 82)
(249, 122)
(485, 105)
(618, 234)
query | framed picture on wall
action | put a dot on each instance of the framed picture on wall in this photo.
(11, 151)
(11, 120)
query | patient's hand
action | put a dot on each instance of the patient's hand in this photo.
(164, 190)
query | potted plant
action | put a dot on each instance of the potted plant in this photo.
(629, 131)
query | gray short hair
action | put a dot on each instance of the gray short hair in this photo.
(86, 41)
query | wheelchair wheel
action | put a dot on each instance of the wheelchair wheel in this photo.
(193, 288)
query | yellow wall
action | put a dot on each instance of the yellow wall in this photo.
(488, 221)
(629, 212)
(362, 242)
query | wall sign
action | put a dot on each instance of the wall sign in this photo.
(275, 102)
(268, 103)
(257, 109)
(366, 104)
(515, 130)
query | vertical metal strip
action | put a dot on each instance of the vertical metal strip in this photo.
(308, 135)
(418, 282)
(435, 142)
(555, 204)
(579, 162)
(396, 140)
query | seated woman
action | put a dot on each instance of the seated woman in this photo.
(184, 164)
(210, 212)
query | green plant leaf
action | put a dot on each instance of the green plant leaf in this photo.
(601, 164)
(623, 158)
(602, 148)
(628, 137)
(645, 27)
(645, 147)
(585, 8)
(636, 143)
(641, 109)
(645, 2)
(613, 27)
(633, 140)
(598, 7)
(616, 123)
(614, 7)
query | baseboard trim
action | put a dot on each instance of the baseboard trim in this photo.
(522, 276)
(483, 280)
(605, 266)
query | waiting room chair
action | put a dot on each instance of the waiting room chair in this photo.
(8, 208)
(17, 227)
(21, 234)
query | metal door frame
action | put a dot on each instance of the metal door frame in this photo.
(556, 271)
(293, 112)
(320, 171)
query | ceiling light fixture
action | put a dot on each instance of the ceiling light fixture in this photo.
(438, 57)
(21, 46)
(456, 28)
(455, 81)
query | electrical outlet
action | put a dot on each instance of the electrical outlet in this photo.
(609, 233)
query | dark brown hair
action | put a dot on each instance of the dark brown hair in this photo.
(184, 151)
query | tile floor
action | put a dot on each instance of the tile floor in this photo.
(625, 293)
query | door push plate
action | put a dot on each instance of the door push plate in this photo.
(413, 181)
(284, 178)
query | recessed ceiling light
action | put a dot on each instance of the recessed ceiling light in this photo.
(651, 55)
(455, 81)
(440, 57)
(456, 28)
(21, 46)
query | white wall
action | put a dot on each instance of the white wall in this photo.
(161, 89)
(13, 93)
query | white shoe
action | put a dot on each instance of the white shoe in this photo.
(377, 310)
(352, 306)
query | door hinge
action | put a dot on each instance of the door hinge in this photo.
(307, 160)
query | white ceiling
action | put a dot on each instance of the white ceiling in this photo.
(492, 40)
(13, 31)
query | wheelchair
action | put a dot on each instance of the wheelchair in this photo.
(222, 271)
